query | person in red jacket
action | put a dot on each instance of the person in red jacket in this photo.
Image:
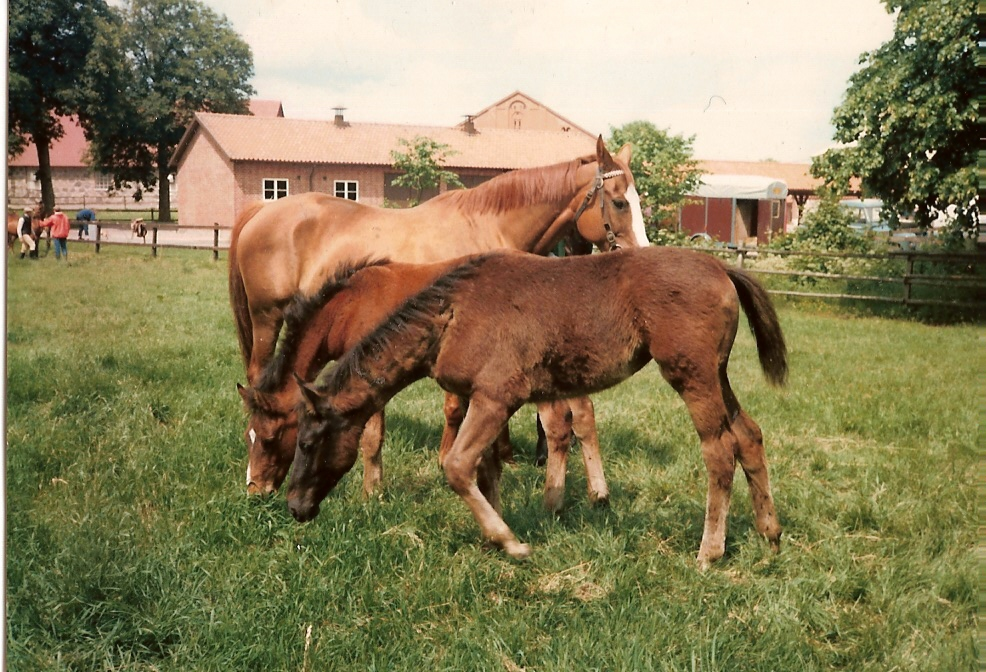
(59, 233)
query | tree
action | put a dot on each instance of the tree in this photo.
(908, 119)
(154, 64)
(662, 167)
(49, 41)
(422, 166)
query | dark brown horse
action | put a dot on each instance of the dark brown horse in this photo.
(507, 329)
(292, 246)
(323, 327)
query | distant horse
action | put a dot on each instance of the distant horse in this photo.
(506, 329)
(323, 327)
(292, 246)
(138, 229)
(37, 229)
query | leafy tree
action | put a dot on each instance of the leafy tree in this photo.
(909, 116)
(153, 65)
(422, 166)
(662, 166)
(49, 41)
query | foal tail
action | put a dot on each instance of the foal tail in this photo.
(763, 322)
(237, 290)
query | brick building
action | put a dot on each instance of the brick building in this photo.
(225, 162)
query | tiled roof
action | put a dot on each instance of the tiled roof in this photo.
(266, 108)
(797, 176)
(247, 138)
(66, 152)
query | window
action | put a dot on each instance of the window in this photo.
(347, 189)
(275, 189)
(103, 180)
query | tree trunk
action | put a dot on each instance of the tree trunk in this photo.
(41, 141)
(164, 186)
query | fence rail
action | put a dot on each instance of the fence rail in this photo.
(966, 271)
(974, 279)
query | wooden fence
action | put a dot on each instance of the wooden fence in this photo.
(968, 270)
(955, 272)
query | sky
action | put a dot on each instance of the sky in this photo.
(750, 79)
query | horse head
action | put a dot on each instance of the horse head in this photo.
(328, 444)
(270, 436)
(608, 213)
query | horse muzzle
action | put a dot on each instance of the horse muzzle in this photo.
(301, 510)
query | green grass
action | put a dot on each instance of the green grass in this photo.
(132, 545)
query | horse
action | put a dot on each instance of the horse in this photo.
(37, 228)
(294, 244)
(291, 246)
(138, 229)
(505, 329)
(323, 327)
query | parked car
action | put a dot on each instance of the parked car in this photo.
(867, 216)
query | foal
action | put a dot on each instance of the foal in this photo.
(507, 329)
(323, 327)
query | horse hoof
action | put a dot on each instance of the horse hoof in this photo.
(599, 498)
(517, 550)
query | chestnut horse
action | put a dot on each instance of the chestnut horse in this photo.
(323, 327)
(36, 227)
(292, 246)
(506, 329)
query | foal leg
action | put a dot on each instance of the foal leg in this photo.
(753, 459)
(584, 426)
(719, 448)
(455, 410)
(556, 420)
(371, 443)
(482, 423)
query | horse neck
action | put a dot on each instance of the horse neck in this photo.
(370, 374)
(531, 209)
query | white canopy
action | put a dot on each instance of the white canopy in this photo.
(741, 186)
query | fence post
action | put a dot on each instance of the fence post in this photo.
(215, 241)
(99, 234)
(154, 241)
(740, 256)
(908, 272)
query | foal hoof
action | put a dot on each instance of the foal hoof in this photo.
(517, 550)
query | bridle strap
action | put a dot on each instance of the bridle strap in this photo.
(597, 184)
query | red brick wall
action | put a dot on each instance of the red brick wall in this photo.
(205, 187)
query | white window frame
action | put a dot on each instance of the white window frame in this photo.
(346, 187)
(276, 184)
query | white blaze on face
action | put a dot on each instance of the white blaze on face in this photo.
(253, 439)
(638, 217)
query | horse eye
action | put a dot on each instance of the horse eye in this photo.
(619, 203)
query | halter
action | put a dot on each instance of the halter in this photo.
(597, 184)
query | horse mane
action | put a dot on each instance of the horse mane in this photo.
(518, 188)
(298, 313)
(415, 312)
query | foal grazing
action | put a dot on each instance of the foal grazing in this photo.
(507, 329)
(323, 327)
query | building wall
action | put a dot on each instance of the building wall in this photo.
(199, 205)
(75, 188)
(521, 113)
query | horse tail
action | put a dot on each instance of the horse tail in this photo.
(764, 324)
(237, 290)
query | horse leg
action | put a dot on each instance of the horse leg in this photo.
(584, 427)
(484, 420)
(556, 419)
(454, 409)
(702, 394)
(370, 443)
(753, 459)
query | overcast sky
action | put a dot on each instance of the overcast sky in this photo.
(750, 79)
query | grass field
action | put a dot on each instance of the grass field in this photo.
(131, 544)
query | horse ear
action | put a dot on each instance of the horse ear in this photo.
(309, 394)
(624, 153)
(246, 394)
(602, 154)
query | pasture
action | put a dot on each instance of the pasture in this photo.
(131, 543)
